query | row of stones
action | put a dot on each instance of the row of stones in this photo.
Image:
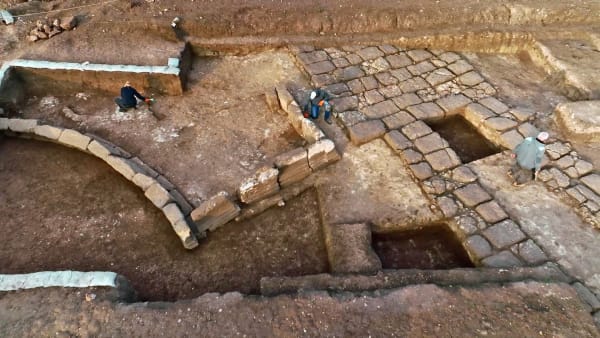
(156, 187)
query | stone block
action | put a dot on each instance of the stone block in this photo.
(471, 79)
(430, 143)
(354, 59)
(494, 105)
(416, 129)
(337, 88)
(348, 73)
(588, 193)
(439, 76)
(373, 96)
(322, 80)
(262, 184)
(293, 166)
(49, 132)
(295, 116)
(114, 150)
(522, 114)
(583, 167)
(453, 104)
(557, 149)
(312, 57)
(388, 49)
(491, 212)
(420, 68)
(413, 84)
(442, 160)
(529, 252)
(460, 67)
(259, 207)
(173, 213)
(356, 86)
(370, 53)
(447, 206)
(463, 174)
(421, 171)
(341, 62)
(369, 82)
(397, 141)
(364, 132)
(346, 103)
(321, 154)
(215, 212)
(478, 247)
(504, 234)
(528, 130)
(426, 111)
(412, 156)
(398, 60)
(122, 166)
(593, 182)
(580, 119)
(561, 179)
(98, 149)
(163, 181)
(398, 120)
(576, 194)
(3, 123)
(472, 195)
(143, 181)
(401, 74)
(499, 123)
(504, 259)
(406, 100)
(466, 224)
(75, 139)
(565, 162)
(587, 296)
(511, 139)
(284, 96)
(158, 195)
(349, 249)
(381, 109)
(182, 229)
(449, 57)
(142, 167)
(319, 67)
(181, 201)
(351, 117)
(475, 114)
(386, 79)
(418, 55)
(311, 132)
(390, 91)
(22, 125)
(272, 100)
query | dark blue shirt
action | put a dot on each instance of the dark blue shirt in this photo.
(128, 95)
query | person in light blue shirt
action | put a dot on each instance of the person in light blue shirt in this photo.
(528, 157)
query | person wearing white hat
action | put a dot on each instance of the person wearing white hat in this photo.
(318, 98)
(528, 157)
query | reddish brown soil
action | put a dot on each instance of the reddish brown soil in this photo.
(64, 210)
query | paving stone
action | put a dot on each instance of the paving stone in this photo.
(463, 174)
(470, 79)
(511, 139)
(49, 132)
(334, 52)
(158, 195)
(420, 68)
(401, 74)
(397, 141)
(430, 143)
(472, 195)
(143, 181)
(438, 63)
(504, 259)
(504, 234)
(351, 117)
(500, 123)
(557, 149)
(346, 103)
(467, 224)
(449, 57)
(442, 160)
(375, 66)
(528, 130)
(386, 79)
(356, 86)
(561, 179)
(452, 104)
(312, 57)
(494, 104)
(322, 80)
(321, 154)
(583, 167)
(349, 248)
(529, 252)
(447, 206)
(390, 91)
(491, 212)
(388, 49)
(367, 131)
(406, 100)
(373, 96)
(297, 49)
(369, 82)
(412, 156)
(435, 186)
(22, 125)
(320, 67)
(337, 88)
(418, 55)
(478, 247)
(459, 67)
(215, 212)
(439, 76)
(587, 296)
(381, 109)
(349, 73)
(426, 111)
(398, 60)
(576, 194)
(416, 130)
(293, 166)
(341, 62)
(261, 185)
(588, 193)
(398, 120)
(565, 162)
(370, 53)
(592, 206)
(476, 114)
(413, 84)
(593, 182)
(522, 114)
(422, 171)
(354, 59)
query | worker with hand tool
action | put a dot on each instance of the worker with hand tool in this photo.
(128, 98)
(318, 98)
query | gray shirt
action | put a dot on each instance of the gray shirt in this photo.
(530, 153)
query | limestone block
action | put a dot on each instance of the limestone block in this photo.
(586, 295)
(180, 200)
(475, 114)
(412, 156)
(528, 130)
(430, 143)
(398, 60)
(3, 123)
(511, 139)
(452, 104)
(416, 130)
(341, 62)
(98, 149)
(463, 174)
(215, 212)
(284, 96)
(356, 86)
(369, 82)
(22, 125)
(588, 193)
(397, 141)
(311, 132)
(426, 111)
(583, 167)
(442, 160)
(522, 114)
(388, 49)
(143, 167)
(257, 208)
(580, 119)
(172, 212)
(143, 181)
(381, 109)
(349, 249)
(182, 229)
(406, 100)
(504, 234)
(75, 139)
(370, 53)
(557, 149)
(293, 166)
(422, 170)
(272, 100)
(418, 55)
(478, 247)
(472, 195)
(345, 103)
(322, 80)
(499, 123)
(401, 74)
(312, 57)
(351, 117)
(337, 88)
(504, 259)
(491, 212)
(529, 252)
(562, 180)
(348, 73)
(413, 84)
(576, 194)
(114, 150)
(439, 76)
(158, 195)
(321, 154)
(420, 68)
(367, 131)
(388, 80)
(373, 97)
(262, 184)
(565, 162)
(593, 182)
(49, 132)
(122, 166)
(459, 67)
(448, 206)
(319, 67)
(449, 57)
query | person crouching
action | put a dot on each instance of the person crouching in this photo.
(128, 97)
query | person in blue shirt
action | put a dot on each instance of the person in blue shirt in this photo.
(128, 98)
(318, 98)
(528, 157)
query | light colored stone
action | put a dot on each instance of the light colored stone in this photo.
(172, 212)
(98, 149)
(565, 162)
(581, 119)
(500, 123)
(215, 212)
(447, 206)
(504, 234)
(49, 132)
(367, 131)
(453, 104)
(528, 130)
(583, 167)
(522, 114)
(426, 111)
(529, 252)
(260, 206)
(158, 195)
(3, 123)
(460, 67)
(416, 130)
(478, 247)
(182, 229)
(321, 154)
(284, 96)
(557, 149)
(491, 212)
(293, 166)
(75, 139)
(311, 132)
(351, 117)
(476, 114)
(349, 249)
(560, 178)
(442, 160)
(463, 174)
(398, 120)
(494, 104)
(143, 181)
(122, 166)
(511, 139)
(421, 171)
(22, 125)
(397, 141)
(593, 182)
(430, 143)
(472, 195)
(262, 184)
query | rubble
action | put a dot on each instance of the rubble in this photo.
(44, 29)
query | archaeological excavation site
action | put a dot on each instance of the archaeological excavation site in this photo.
(299, 168)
